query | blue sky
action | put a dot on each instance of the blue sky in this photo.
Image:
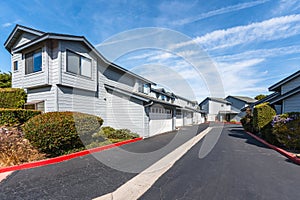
(252, 44)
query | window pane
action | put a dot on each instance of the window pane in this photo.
(86, 67)
(37, 61)
(15, 65)
(28, 63)
(72, 62)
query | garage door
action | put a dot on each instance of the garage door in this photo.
(160, 120)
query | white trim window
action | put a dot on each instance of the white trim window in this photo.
(78, 64)
(33, 61)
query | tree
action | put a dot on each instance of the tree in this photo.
(260, 96)
(5, 80)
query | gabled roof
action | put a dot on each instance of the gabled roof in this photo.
(276, 86)
(245, 99)
(42, 36)
(216, 99)
(15, 34)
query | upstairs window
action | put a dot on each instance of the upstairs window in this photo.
(78, 64)
(16, 67)
(33, 61)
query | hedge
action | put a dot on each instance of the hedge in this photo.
(12, 98)
(12, 117)
(263, 115)
(57, 133)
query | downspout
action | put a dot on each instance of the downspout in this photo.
(149, 104)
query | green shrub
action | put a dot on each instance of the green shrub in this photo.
(263, 115)
(111, 134)
(12, 117)
(286, 129)
(12, 98)
(56, 133)
(247, 123)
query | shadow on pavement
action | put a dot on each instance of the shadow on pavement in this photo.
(240, 133)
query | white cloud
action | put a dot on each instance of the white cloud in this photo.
(241, 77)
(261, 53)
(272, 29)
(286, 6)
(219, 12)
(161, 56)
(8, 24)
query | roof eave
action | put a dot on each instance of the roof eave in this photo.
(277, 85)
(20, 28)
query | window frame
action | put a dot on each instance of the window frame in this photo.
(29, 55)
(80, 64)
(16, 65)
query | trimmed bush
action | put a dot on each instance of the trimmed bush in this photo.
(263, 115)
(12, 98)
(57, 133)
(247, 123)
(111, 133)
(286, 129)
(12, 117)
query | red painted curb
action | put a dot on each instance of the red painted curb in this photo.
(289, 155)
(66, 157)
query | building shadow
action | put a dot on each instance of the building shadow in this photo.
(241, 134)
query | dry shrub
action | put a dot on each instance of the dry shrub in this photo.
(15, 149)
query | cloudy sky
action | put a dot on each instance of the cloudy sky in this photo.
(194, 48)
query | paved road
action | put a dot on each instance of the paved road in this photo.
(87, 177)
(238, 167)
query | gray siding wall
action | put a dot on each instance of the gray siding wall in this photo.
(236, 103)
(292, 104)
(53, 51)
(290, 85)
(122, 112)
(73, 99)
(46, 94)
(17, 76)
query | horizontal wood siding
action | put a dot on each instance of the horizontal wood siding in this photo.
(290, 85)
(124, 113)
(46, 94)
(73, 80)
(292, 104)
(236, 103)
(53, 62)
(17, 76)
(72, 99)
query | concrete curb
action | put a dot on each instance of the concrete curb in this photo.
(66, 157)
(289, 155)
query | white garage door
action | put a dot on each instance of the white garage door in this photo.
(160, 120)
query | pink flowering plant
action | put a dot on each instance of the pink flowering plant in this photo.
(286, 128)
